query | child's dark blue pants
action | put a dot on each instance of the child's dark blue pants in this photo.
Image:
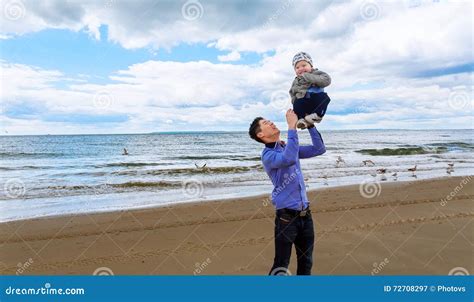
(311, 103)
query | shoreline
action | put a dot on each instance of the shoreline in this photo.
(404, 229)
(215, 200)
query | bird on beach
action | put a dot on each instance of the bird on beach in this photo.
(339, 161)
(413, 170)
(450, 168)
(203, 167)
(325, 177)
(381, 170)
(395, 176)
(368, 161)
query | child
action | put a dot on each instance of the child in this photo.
(307, 93)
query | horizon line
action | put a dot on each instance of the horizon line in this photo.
(223, 131)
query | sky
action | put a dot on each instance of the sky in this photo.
(123, 66)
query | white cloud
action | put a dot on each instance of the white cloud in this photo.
(232, 56)
(375, 62)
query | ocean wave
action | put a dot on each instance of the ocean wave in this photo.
(110, 186)
(25, 168)
(454, 145)
(141, 184)
(228, 157)
(403, 151)
(191, 171)
(129, 164)
(29, 154)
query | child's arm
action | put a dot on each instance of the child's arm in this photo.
(292, 91)
(318, 78)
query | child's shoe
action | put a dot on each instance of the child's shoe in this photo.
(302, 124)
(313, 118)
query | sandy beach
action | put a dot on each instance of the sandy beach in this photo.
(406, 228)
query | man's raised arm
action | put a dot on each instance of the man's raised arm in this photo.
(316, 149)
(288, 157)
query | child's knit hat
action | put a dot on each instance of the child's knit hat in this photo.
(302, 56)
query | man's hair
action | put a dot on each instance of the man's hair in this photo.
(255, 128)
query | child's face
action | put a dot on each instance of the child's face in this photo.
(302, 67)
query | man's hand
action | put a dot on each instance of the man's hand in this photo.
(291, 119)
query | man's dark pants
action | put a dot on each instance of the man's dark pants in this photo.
(291, 228)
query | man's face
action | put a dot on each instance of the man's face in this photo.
(302, 67)
(269, 132)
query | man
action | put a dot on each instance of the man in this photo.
(293, 222)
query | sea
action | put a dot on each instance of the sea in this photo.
(49, 175)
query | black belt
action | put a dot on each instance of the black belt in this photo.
(294, 213)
